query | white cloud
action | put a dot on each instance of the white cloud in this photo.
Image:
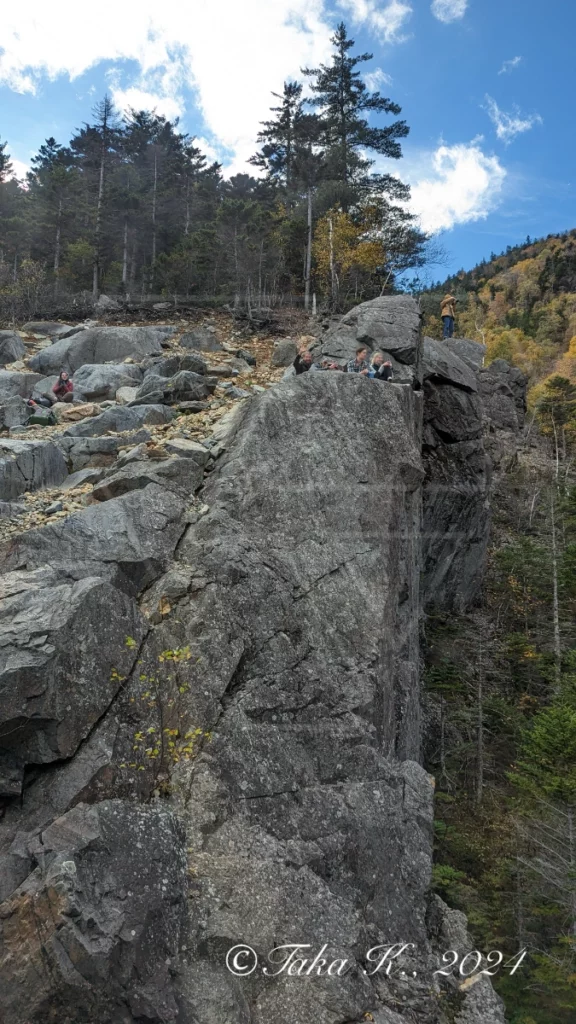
(449, 10)
(510, 65)
(509, 125)
(233, 55)
(138, 99)
(375, 80)
(465, 186)
(19, 169)
(387, 22)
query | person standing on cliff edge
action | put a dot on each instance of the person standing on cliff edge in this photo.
(448, 312)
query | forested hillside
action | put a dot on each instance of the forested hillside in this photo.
(132, 207)
(502, 681)
(521, 304)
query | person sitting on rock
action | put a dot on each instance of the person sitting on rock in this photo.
(303, 362)
(448, 312)
(360, 364)
(381, 369)
(39, 415)
(64, 388)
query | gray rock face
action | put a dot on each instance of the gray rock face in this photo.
(283, 608)
(515, 380)
(171, 365)
(11, 347)
(105, 951)
(203, 339)
(470, 352)
(13, 412)
(13, 382)
(185, 386)
(120, 418)
(391, 324)
(100, 345)
(29, 466)
(101, 382)
(456, 493)
(50, 328)
(315, 695)
(285, 352)
(443, 365)
(127, 540)
(51, 698)
(177, 474)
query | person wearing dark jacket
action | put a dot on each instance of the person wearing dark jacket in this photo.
(303, 362)
(381, 368)
(63, 388)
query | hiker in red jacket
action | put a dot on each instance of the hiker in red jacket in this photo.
(63, 388)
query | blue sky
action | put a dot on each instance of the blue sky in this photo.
(485, 85)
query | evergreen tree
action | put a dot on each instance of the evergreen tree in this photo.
(342, 99)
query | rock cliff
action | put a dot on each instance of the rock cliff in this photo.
(210, 727)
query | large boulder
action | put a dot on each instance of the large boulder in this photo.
(443, 365)
(99, 382)
(50, 696)
(168, 366)
(51, 329)
(179, 474)
(470, 352)
(29, 466)
(11, 347)
(204, 339)
(121, 418)
(13, 412)
(101, 345)
(390, 324)
(285, 352)
(93, 931)
(185, 386)
(14, 382)
(127, 540)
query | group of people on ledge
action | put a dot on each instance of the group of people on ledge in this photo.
(40, 408)
(378, 367)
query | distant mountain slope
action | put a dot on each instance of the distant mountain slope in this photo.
(521, 304)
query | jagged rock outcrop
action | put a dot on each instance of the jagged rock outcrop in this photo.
(456, 521)
(245, 767)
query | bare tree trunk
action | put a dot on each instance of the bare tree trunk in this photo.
(57, 248)
(125, 255)
(555, 601)
(154, 191)
(308, 269)
(187, 221)
(572, 862)
(98, 229)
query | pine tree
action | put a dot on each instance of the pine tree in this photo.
(342, 99)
